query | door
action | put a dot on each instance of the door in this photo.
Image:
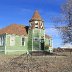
(42, 44)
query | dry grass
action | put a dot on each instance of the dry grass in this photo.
(27, 63)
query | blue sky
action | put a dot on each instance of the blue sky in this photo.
(21, 11)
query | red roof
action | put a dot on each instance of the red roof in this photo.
(14, 29)
(36, 16)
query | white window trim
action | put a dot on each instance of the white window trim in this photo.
(24, 41)
(12, 43)
(36, 21)
(1, 41)
(41, 25)
(36, 25)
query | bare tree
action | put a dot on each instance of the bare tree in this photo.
(66, 30)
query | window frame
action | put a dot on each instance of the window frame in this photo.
(35, 39)
(12, 40)
(2, 41)
(22, 41)
(36, 25)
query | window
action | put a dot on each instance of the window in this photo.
(49, 42)
(2, 41)
(12, 40)
(41, 25)
(35, 39)
(23, 41)
(36, 25)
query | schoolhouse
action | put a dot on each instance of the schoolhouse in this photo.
(20, 39)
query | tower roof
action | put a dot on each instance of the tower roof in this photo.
(36, 16)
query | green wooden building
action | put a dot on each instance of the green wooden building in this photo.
(19, 39)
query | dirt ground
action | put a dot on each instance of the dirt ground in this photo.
(27, 63)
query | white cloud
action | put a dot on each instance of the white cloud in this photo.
(67, 46)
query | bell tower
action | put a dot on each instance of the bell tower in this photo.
(36, 34)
